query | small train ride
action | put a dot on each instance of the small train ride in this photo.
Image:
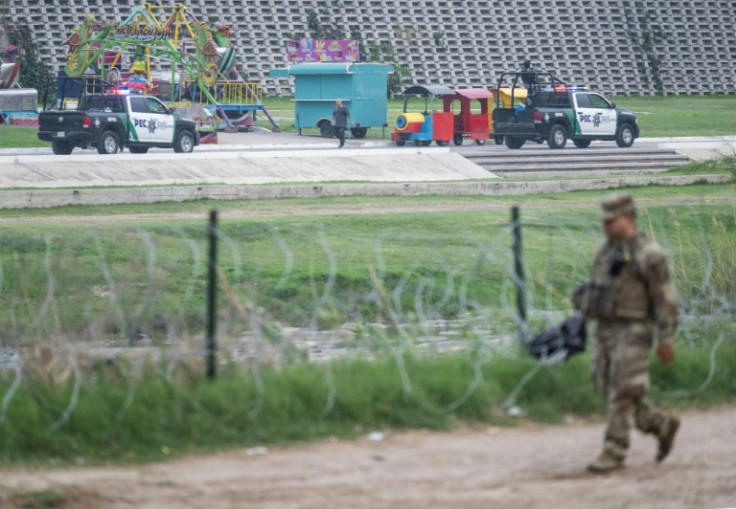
(430, 124)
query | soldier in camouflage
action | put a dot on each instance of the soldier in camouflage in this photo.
(632, 299)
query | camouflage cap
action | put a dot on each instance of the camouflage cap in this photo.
(616, 204)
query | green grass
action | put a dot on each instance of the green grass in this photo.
(152, 261)
(19, 137)
(164, 417)
(130, 412)
(726, 163)
(42, 499)
(451, 260)
(684, 115)
(670, 116)
(658, 117)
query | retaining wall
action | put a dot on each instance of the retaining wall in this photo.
(463, 43)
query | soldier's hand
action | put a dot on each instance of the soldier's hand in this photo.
(666, 353)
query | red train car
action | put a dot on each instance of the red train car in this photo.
(472, 119)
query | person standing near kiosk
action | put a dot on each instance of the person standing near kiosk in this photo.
(340, 118)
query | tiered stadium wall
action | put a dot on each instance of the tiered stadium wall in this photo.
(463, 43)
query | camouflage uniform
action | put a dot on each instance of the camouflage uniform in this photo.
(634, 305)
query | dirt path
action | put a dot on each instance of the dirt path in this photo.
(527, 467)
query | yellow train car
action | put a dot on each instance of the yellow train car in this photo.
(505, 96)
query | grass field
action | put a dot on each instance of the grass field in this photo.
(76, 277)
(294, 264)
(658, 117)
(439, 258)
(160, 418)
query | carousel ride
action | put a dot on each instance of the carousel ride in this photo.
(201, 79)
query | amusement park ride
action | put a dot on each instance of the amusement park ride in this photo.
(203, 76)
(18, 106)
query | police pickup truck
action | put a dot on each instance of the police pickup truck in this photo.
(111, 121)
(547, 109)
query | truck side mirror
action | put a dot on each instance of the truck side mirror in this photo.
(613, 105)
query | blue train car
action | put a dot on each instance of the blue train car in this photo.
(435, 122)
(361, 86)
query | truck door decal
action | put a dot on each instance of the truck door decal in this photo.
(594, 115)
(149, 121)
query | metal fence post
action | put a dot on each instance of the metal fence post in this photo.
(212, 298)
(519, 273)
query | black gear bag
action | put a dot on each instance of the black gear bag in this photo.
(565, 340)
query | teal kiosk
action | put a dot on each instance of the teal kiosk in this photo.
(361, 86)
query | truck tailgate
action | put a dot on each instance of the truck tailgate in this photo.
(513, 121)
(60, 120)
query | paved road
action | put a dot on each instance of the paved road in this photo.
(702, 147)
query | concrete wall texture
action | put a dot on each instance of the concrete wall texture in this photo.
(462, 43)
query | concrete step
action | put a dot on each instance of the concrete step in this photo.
(547, 155)
(586, 165)
(580, 162)
(590, 162)
(541, 150)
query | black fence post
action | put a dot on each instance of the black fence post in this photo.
(519, 273)
(212, 298)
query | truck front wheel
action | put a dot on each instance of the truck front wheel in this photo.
(109, 143)
(184, 142)
(557, 137)
(62, 148)
(625, 136)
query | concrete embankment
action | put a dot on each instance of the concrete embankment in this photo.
(270, 165)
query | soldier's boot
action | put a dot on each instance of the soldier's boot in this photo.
(605, 463)
(667, 437)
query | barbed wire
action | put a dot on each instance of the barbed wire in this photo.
(399, 311)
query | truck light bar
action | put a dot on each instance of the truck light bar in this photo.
(570, 88)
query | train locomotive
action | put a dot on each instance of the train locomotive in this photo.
(430, 124)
